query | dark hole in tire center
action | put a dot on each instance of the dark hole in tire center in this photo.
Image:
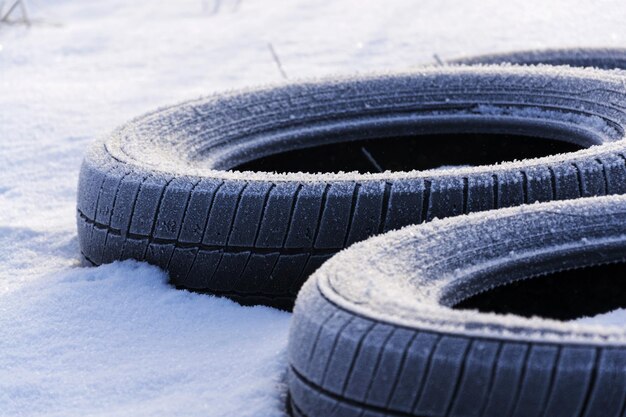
(410, 153)
(564, 295)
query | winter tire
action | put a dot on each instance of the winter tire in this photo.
(165, 188)
(373, 332)
(603, 58)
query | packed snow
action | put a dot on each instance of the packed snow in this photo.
(117, 340)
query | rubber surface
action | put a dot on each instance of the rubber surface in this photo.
(373, 332)
(603, 58)
(160, 188)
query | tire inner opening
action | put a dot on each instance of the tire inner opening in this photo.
(408, 153)
(565, 295)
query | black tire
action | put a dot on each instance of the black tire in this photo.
(602, 58)
(373, 333)
(161, 188)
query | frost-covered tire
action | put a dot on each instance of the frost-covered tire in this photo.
(161, 188)
(603, 58)
(373, 332)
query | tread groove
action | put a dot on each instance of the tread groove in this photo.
(426, 200)
(355, 356)
(604, 176)
(465, 194)
(377, 362)
(319, 332)
(459, 378)
(257, 231)
(320, 215)
(182, 221)
(429, 362)
(579, 178)
(107, 227)
(132, 212)
(553, 183)
(204, 229)
(524, 187)
(553, 372)
(334, 346)
(230, 230)
(355, 196)
(495, 186)
(492, 378)
(385, 208)
(592, 383)
(396, 381)
(520, 384)
(293, 209)
(156, 216)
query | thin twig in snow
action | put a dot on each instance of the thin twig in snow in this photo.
(277, 60)
(14, 6)
(370, 158)
(439, 61)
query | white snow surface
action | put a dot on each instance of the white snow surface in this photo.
(117, 340)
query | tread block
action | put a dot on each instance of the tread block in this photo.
(125, 202)
(508, 374)
(195, 219)
(84, 235)
(540, 185)
(367, 212)
(536, 385)
(476, 379)
(98, 237)
(303, 333)
(336, 213)
(228, 271)
(222, 214)
(174, 204)
(180, 264)
(147, 206)
(446, 198)
(393, 357)
(257, 271)
(367, 362)
(343, 354)
(324, 347)
(159, 254)
(615, 169)
(442, 379)
(571, 382)
(90, 181)
(592, 178)
(202, 269)
(413, 374)
(566, 178)
(113, 248)
(108, 195)
(249, 214)
(510, 189)
(275, 221)
(609, 388)
(480, 193)
(304, 219)
(134, 249)
(288, 268)
(404, 206)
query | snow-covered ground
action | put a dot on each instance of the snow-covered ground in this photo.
(117, 340)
